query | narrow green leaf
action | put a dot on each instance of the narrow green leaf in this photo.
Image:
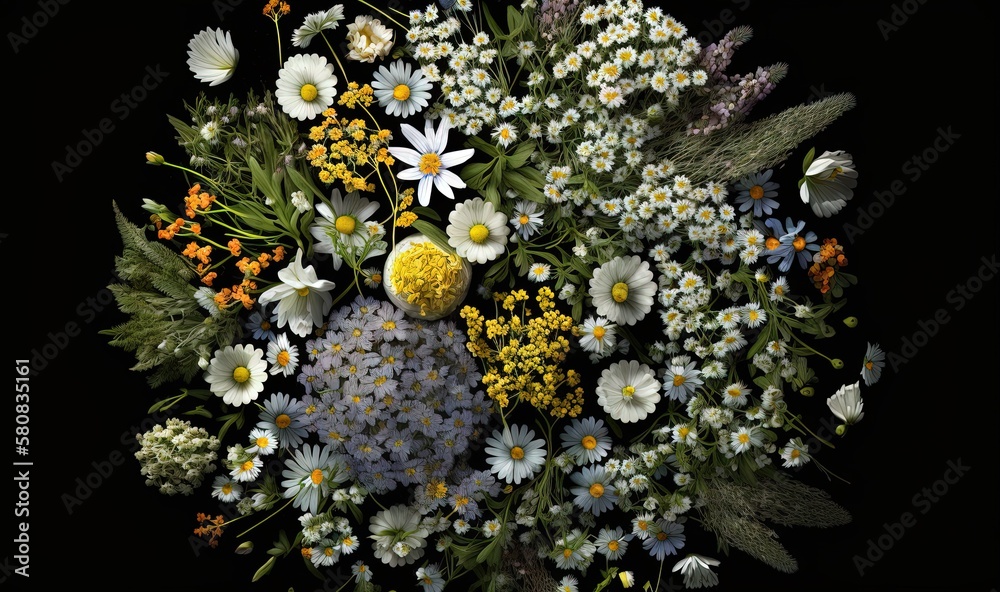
(264, 569)
(435, 234)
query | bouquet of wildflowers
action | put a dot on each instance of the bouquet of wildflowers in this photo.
(492, 294)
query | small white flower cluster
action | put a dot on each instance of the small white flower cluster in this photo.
(176, 457)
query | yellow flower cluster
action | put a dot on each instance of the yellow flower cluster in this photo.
(347, 149)
(523, 354)
(428, 277)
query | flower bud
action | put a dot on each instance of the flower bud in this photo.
(851, 322)
(837, 363)
(807, 391)
(841, 429)
(154, 158)
(244, 548)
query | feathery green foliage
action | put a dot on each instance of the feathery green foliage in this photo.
(737, 513)
(168, 330)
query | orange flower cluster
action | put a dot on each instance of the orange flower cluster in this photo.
(211, 528)
(826, 263)
(274, 8)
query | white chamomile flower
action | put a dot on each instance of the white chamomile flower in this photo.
(401, 89)
(306, 86)
(212, 56)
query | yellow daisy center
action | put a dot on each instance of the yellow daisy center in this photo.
(247, 465)
(241, 374)
(772, 243)
(598, 332)
(589, 442)
(683, 432)
(678, 379)
(316, 476)
(345, 224)
(756, 192)
(596, 490)
(308, 92)
(628, 391)
(430, 164)
(524, 219)
(283, 358)
(401, 92)
(517, 453)
(227, 488)
(794, 453)
(303, 291)
(744, 438)
(283, 421)
(479, 233)
(612, 545)
(620, 292)
(799, 243)
(263, 442)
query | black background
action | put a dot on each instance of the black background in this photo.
(916, 68)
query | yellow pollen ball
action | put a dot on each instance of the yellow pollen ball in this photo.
(241, 374)
(772, 243)
(524, 219)
(430, 164)
(613, 545)
(283, 358)
(401, 92)
(283, 421)
(678, 380)
(345, 224)
(628, 391)
(517, 453)
(479, 233)
(596, 490)
(316, 476)
(589, 442)
(620, 292)
(799, 243)
(308, 92)
(598, 332)
(756, 192)
(303, 291)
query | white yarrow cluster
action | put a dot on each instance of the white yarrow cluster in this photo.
(176, 457)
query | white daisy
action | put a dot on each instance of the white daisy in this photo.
(315, 23)
(283, 356)
(586, 440)
(697, 571)
(745, 438)
(598, 336)
(306, 86)
(795, 453)
(226, 489)
(430, 164)
(401, 90)
(477, 231)
(212, 56)
(237, 373)
(504, 134)
(623, 289)
(309, 474)
(262, 442)
(247, 470)
(846, 403)
(342, 227)
(829, 183)
(628, 391)
(398, 524)
(303, 299)
(513, 455)
(539, 272)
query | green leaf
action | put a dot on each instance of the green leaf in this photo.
(264, 569)
(521, 154)
(808, 161)
(523, 187)
(200, 411)
(425, 212)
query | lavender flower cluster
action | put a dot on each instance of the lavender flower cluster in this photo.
(396, 396)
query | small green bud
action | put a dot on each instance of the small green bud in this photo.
(851, 322)
(837, 363)
(154, 158)
(244, 548)
(807, 391)
(841, 429)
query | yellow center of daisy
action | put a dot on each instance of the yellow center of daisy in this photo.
(834, 173)
(772, 243)
(505, 133)
(756, 192)
(316, 476)
(283, 358)
(283, 421)
(401, 92)
(517, 453)
(589, 442)
(869, 365)
(303, 291)
(345, 224)
(628, 391)
(743, 438)
(678, 379)
(430, 164)
(794, 453)
(612, 545)
(524, 219)
(241, 374)
(598, 332)
(799, 243)
(567, 553)
(247, 465)
(479, 233)
(596, 490)
(308, 92)
(227, 488)
(263, 442)
(619, 292)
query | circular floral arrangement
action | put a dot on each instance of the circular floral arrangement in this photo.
(630, 366)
